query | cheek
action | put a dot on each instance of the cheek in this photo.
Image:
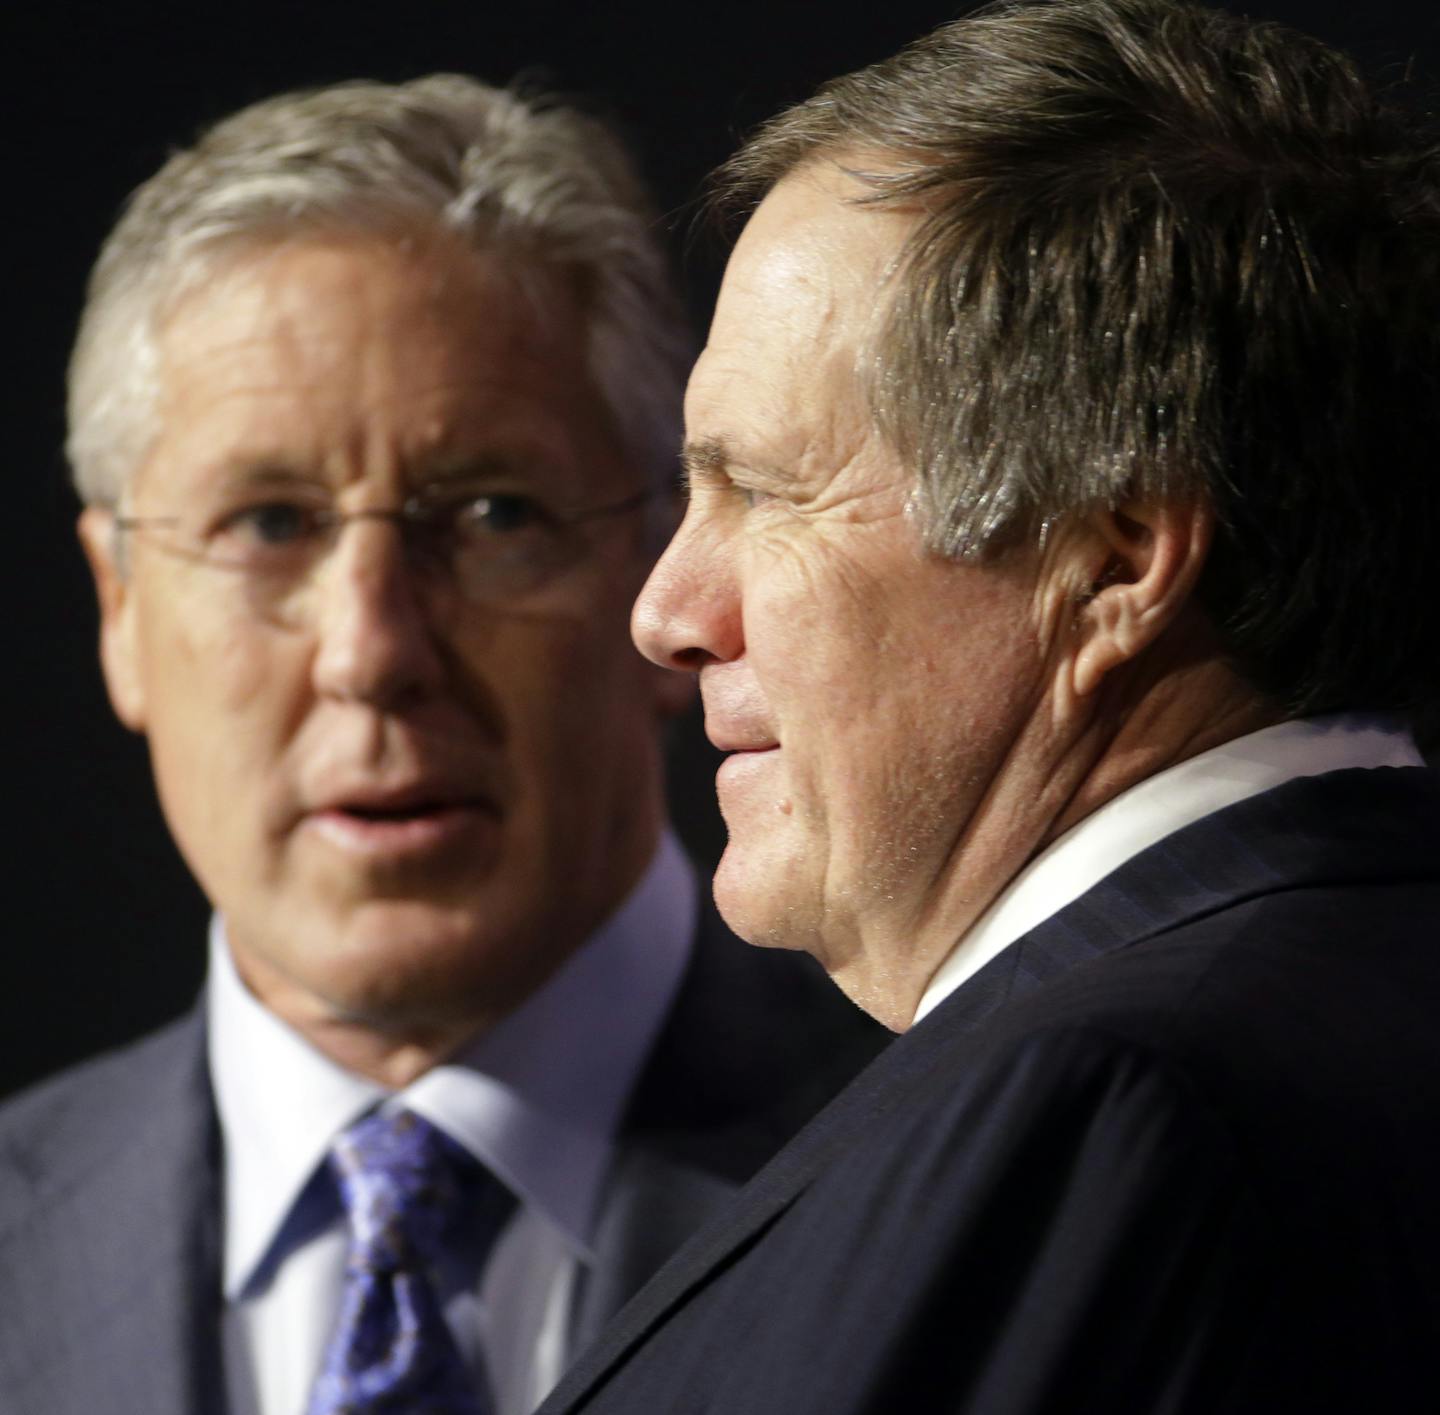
(813, 622)
(574, 695)
(817, 643)
(209, 655)
(900, 684)
(221, 706)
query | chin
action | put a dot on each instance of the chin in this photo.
(759, 902)
(405, 964)
(394, 988)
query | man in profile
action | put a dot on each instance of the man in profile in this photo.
(1059, 571)
(373, 410)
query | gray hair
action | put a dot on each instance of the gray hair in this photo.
(1162, 252)
(502, 170)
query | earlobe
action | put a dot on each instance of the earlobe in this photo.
(119, 659)
(1149, 558)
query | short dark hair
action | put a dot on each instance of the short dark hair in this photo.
(1164, 251)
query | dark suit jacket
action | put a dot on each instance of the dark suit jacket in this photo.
(1178, 1149)
(110, 1173)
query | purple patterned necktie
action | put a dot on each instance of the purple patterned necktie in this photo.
(403, 1184)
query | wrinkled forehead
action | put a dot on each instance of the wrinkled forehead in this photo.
(804, 292)
(335, 354)
(815, 257)
(287, 282)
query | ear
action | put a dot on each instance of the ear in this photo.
(119, 656)
(1145, 562)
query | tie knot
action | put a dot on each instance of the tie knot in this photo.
(401, 1181)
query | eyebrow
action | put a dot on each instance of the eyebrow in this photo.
(706, 458)
(261, 470)
(482, 467)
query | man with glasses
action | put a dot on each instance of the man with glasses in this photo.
(373, 409)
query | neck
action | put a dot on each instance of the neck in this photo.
(393, 1050)
(1189, 710)
(1064, 765)
(392, 1060)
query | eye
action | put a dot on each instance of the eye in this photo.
(752, 497)
(499, 513)
(267, 536)
(268, 523)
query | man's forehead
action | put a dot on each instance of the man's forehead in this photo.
(318, 357)
(804, 290)
(776, 382)
(810, 241)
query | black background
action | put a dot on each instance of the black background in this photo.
(102, 928)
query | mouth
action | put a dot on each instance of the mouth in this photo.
(738, 739)
(393, 824)
(743, 764)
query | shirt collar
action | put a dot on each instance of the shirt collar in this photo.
(1159, 806)
(537, 1099)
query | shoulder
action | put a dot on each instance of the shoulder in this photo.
(66, 1127)
(1308, 979)
(1289, 1036)
(1248, 1096)
(1290, 937)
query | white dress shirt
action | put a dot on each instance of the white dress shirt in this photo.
(536, 1100)
(1157, 807)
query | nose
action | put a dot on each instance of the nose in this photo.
(376, 643)
(688, 612)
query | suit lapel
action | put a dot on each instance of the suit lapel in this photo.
(122, 1242)
(651, 1206)
(756, 1044)
(783, 1180)
(1335, 828)
(732, 1077)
